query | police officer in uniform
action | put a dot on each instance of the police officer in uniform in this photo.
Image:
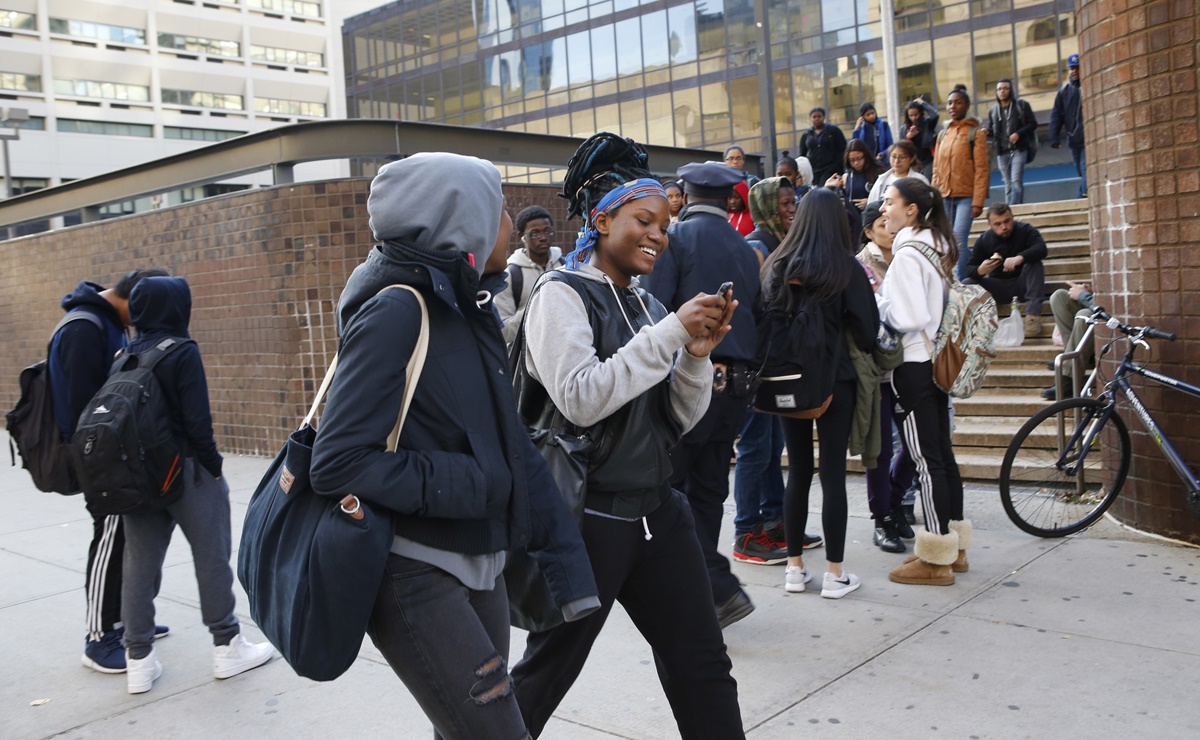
(705, 252)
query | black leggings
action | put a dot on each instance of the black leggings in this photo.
(833, 431)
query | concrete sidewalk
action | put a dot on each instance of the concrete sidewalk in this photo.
(1087, 637)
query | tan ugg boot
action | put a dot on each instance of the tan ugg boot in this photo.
(963, 528)
(931, 566)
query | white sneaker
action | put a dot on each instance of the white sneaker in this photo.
(141, 674)
(240, 656)
(794, 579)
(835, 588)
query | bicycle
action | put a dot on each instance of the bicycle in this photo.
(1067, 463)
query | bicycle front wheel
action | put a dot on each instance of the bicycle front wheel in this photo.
(1056, 481)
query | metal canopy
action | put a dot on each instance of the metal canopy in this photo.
(281, 148)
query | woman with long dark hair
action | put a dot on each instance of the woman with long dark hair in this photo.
(913, 296)
(611, 358)
(814, 266)
(860, 173)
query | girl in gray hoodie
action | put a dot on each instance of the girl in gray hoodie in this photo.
(610, 356)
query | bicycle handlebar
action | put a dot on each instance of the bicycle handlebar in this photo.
(1147, 332)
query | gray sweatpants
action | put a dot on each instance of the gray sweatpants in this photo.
(202, 512)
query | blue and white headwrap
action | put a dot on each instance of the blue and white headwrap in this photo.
(615, 198)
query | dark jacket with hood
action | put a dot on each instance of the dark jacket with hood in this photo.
(465, 477)
(81, 354)
(1067, 114)
(161, 307)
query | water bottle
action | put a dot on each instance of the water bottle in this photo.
(1015, 308)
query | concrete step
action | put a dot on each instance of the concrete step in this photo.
(1068, 267)
(1051, 206)
(1069, 248)
(1008, 378)
(1020, 406)
(971, 465)
(1032, 351)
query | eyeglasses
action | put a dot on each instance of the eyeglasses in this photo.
(898, 157)
(532, 235)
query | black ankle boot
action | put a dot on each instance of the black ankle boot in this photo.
(901, 526)
(886, 537)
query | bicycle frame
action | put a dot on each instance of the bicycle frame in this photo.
(1120, 384)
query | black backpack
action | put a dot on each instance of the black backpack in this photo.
(125, 455)
(795, 378)
(32, 429)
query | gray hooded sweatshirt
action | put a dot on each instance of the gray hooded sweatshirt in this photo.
(421, 201)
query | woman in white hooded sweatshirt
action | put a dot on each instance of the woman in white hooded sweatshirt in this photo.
(911, 300)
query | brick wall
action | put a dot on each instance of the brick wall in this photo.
(266, 268)
(1141, 108)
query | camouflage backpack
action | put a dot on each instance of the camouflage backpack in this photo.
(965, 342)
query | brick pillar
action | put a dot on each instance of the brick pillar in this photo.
(1141, 107)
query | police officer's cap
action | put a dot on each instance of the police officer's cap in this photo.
(709, 179)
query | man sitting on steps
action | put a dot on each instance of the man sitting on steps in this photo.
(1007, 262)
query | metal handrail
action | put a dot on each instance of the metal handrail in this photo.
(1075, 357)
(280, 149)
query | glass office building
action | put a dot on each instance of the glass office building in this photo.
(687, 73)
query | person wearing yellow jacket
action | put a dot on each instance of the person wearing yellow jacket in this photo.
(961, 171)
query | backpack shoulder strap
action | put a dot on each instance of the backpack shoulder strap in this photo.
(74, 316)
(148, 358)
(929, 253)
(516, 281)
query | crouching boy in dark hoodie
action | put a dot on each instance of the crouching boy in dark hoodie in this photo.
(160, 308)
(465, 485)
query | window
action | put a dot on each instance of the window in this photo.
(199, 99)
(99, 31)
(198, 134)
(294, 7)
(278, 107)
(106, 90)
(200, 45)
(20, 82)
(993, 61)
(13, 19)
(104, 128)
(277, 55)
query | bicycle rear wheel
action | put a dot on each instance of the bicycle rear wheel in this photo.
(1044, 489)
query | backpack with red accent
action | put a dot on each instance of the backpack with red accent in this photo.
(125, 452)
(965, 344)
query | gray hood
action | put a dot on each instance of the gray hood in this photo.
(438, 202)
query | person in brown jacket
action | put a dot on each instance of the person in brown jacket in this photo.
(961, 171)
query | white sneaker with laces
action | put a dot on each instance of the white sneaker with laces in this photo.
(240, 656)
(835, 588)
(794, 579)
(141, 674)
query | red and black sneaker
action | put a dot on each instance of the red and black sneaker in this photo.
(757, 548)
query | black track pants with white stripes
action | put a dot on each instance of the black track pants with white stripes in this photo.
(104, 575)
(923, 416)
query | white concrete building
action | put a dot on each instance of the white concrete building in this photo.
(113, 83)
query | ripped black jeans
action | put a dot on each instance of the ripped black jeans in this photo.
(449, 645)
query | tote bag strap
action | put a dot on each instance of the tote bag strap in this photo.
(415, 364)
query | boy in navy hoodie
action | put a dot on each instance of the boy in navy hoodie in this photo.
(80, 356)
(160, 308)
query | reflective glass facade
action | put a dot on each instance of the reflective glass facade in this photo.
(686, 73)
